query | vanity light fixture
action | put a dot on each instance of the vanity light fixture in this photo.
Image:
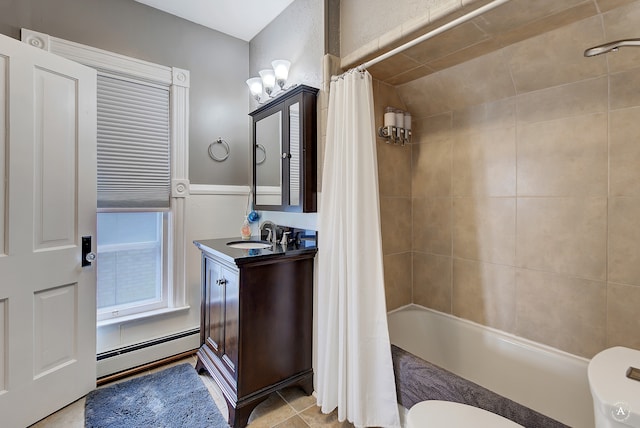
(271, 81)
(397, 126)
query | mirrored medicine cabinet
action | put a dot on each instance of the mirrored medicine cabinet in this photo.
(285, 153)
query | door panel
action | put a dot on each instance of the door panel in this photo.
(55, 160)
(3, 344)
(48, 306)
(55, 328)
(3, 150)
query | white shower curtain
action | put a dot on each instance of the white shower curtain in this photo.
(354, 368)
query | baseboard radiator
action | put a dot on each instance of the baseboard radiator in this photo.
(133, 359)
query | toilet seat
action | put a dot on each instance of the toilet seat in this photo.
(447, 414)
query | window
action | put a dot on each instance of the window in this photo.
(132, 273)
(133, 192)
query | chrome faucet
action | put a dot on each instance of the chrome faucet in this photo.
(272, 234)
(284, 241)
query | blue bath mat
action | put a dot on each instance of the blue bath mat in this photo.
(172, 398)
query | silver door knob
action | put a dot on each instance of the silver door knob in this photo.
(90, 257)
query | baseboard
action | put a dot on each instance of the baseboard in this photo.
(151, 352)
(143, 368)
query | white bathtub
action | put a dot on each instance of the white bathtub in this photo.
(545, 379)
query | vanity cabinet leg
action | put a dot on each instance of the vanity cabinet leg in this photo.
(307, 385)
(199, 366)
(239, 417)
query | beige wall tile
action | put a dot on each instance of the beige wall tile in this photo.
(468, 53)
(485, 293)
(384, 95)
(397, 280)
(563, 235)
(432, 281)
(498, 114)
(394, 162)
(453, 40)
(548, 23)
(564, 157)
(623, 322)
(573, 99)
(556, 57)
(432, 225)
(395, 219)
(426, 96)
(409, 75)
(606, 5)
(484, 229)
(392, 66)
(484, 163)
(624, 89)
(394, 169)
(622, 23)
(564, 312)
(624, 152)
(518, 13)
(624, 240)
(431, 169)
(465, 88)
(432, 129)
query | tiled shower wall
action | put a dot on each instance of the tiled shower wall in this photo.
(518, 204)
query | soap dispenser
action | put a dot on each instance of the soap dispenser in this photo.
(245, 230)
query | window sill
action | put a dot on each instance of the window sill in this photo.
(140, 316)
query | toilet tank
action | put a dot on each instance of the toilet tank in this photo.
(614, 380)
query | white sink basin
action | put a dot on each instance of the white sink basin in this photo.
(249, 245)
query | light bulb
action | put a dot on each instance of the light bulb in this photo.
(281, 71)
(268, 80)
(255, 87)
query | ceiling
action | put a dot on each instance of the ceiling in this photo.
(238, 18)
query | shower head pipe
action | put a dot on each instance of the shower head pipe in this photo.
(611, 47)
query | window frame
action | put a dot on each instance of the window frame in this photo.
(178, 82)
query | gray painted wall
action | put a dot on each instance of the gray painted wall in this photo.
(297, 34)
(219, 65)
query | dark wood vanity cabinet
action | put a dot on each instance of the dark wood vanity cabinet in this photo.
(256, 327)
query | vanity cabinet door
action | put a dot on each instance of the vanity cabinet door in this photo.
(221, 313)
(214, 306)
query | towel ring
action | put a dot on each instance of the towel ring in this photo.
(261, 147)
(226, 147)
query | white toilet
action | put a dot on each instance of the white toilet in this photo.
(446, 414)
(614, 388)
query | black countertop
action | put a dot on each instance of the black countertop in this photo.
(239, 256)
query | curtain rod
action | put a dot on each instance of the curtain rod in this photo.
(449, 25)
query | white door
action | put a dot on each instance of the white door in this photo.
(47, 204)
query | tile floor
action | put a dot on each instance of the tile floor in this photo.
(289, 408)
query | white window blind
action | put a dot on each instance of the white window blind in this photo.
(133, 144)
